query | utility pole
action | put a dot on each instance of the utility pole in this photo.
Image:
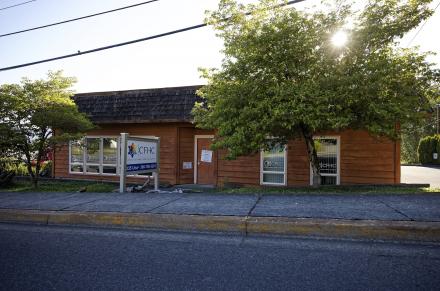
(438, 121)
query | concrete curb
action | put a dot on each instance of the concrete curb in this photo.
(336, 228)
(340, 228)
(127, 220)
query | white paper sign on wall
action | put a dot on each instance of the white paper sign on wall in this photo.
(187, 165)
(206, 156)
(435, 156)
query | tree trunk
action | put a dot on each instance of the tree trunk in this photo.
(41, 150)
(29, 169)
(37, 174)
(34, 178)
(34, 182)
(313, 156)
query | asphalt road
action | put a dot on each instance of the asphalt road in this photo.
(59, 258)
(417, 174)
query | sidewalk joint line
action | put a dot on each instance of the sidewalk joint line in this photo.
(82, 203)
(255, 205)
(397, 210)
(259, 196)
(171, 201)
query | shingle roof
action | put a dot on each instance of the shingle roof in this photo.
(139, 106)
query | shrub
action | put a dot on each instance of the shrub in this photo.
(427, 146)
(12, 165)
(20, 169)
(46, 169)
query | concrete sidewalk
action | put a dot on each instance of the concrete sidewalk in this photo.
(395, 217)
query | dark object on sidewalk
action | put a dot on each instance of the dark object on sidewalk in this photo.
(82, 189)
(6, 178)
(135, 189)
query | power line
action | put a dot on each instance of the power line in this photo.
(78, 18)
(421, 27)
(12, 6)
(105, 47)
(120, 44)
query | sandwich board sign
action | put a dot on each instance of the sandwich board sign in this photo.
(138, 156)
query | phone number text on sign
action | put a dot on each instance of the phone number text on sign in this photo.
(140, 167)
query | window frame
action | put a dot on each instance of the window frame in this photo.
(84, 164)
(338, 160)
(262, 172)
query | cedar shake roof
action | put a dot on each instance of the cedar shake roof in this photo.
(139, 106)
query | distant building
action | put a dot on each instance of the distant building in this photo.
(347, 157)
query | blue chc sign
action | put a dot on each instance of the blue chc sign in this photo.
(142, 155)
(139, 156)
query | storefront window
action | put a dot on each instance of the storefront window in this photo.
(273, 166)
(93, 145)
(98, 155)
(327, 149)
(76, 157)
(92, 154)
(76, 152)
(109, 155)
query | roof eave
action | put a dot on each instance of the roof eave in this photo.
(150, 121)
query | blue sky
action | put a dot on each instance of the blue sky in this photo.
(169, 61)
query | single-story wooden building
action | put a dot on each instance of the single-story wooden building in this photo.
(347, 157)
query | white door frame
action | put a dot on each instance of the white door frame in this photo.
(196, 137)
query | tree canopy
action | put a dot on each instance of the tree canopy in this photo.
(30, 113)
(283, 78)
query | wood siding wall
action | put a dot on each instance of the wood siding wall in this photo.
(363, 159)
(186, 154)
(243, 170)
(369, 160)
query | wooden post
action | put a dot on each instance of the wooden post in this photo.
(156, 174)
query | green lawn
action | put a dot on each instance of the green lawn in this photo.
(60, 186)
(331, 190)
(74, 186)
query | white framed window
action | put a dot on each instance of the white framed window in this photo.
(110, 155)
(94, 155)
(76, 156)
(273, 166)
(328, 150)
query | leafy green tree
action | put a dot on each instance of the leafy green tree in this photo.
(411, 136)
(283, 78)
(413, 133)
(30, 113)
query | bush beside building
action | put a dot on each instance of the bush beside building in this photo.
(428, 147)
